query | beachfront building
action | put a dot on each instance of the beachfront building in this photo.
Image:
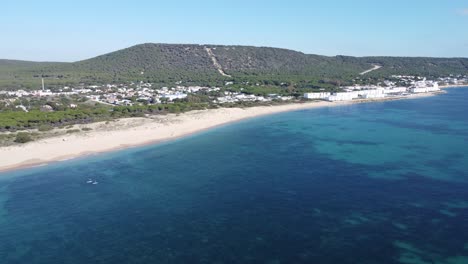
(343, 96)
(357, 94)
(418, 89)
(421, 87)
(396, 90)
(424, 89)
(319, 96)
(370, 94)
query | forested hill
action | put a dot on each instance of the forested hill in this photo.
(213, 64)
(419, 65)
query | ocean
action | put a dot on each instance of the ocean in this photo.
(370, 183)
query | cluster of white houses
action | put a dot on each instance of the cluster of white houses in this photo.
(357, 92)
(116, 94)
(128, 94)
(232, 97)
(121, 95)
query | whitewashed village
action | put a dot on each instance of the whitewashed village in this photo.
(128, 95)
(389, 89)
(145, 93)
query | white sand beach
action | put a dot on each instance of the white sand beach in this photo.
(131, 132)
(453, 86)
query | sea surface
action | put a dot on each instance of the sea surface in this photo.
(371, 183)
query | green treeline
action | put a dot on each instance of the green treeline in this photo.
(16, 120)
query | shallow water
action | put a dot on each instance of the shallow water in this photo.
(365, 183)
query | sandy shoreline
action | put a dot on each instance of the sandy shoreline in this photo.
(134, 132)
(453, 86)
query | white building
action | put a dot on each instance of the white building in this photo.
(316, 95)
(172, 97)
(419, 88)
(370, 92)
(343, 96)
(396, 90)
(372, 95)
(364, 94)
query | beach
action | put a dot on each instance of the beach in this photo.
(453, 86)
(132, 132)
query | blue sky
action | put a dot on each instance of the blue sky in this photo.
(69, 30)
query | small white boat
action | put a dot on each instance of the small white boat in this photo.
(89, 181)
(95, 182)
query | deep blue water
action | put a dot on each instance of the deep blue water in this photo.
(366, 183)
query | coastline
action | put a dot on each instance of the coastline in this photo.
(453, 86)
(134, 132)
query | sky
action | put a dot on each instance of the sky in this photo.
(64, 30)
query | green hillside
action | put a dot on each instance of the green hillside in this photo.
(418, 65)
(166, 64)
(24, 74)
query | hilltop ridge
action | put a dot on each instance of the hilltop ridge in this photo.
(215, 64)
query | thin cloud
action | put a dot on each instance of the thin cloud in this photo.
(463, 12)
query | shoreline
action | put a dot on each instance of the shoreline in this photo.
(136, 132)
(453, 86)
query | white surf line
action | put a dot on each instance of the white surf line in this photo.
(216, 63)
(376, 67)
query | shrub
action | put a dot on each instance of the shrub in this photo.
(44, 128)
(23, 137)
(138, 114)
(72, 131)
(86, 129)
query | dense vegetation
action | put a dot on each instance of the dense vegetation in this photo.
(43, 121)
(165, 64)
(428, 67)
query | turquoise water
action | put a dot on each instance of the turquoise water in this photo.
(366, 183)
